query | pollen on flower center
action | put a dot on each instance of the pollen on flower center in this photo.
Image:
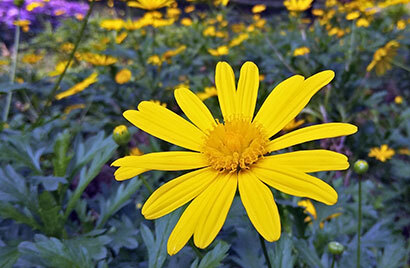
(235, 145)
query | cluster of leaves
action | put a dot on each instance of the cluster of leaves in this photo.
(61, 207)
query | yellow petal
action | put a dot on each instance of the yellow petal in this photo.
(248, 89)
(311, 133)
(177, 192)
(260, 206)
(225, 85)
(173, 160)
(309, 160)
(289, 100)
(194, 109)
(166, 125)
(125, 173)
(187, 224)
(271, 111)
(221, 194)
(295, 182)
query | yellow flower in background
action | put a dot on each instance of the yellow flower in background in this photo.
(96, 59)
(120, 37)
(136, 152)
(261, 77)
(208, 92)
(382, 58)
(239, 39)
(401, 24)
(258, 8)
(150, 4)
(219, 51)
(309, 209)
(382, 153)
(60, 68)
(123, 76)
(4, 62)
(34, 5)
(362, 22)
(318, 12)
(154, 60)
(301, 51)
(189, 9)
(297, 5)
(186, 22)
(404, 151)
(293, 124)
(159, 103)
(73, 107)
(234, 154)
(221, 2)
(78, 87)
(173, 53)
(24, 24)
(398, 99)
(67, 47)
(32, 58)
(115, 24)
(353, 15)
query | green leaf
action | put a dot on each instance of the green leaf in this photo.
(280, 252)
(393, 256)
(8, 211)
(8, 256)
(308, 253)
(9, 87)
(50, 214)
(157, 245)
(123, 233)
(61, 158)
(213, 258)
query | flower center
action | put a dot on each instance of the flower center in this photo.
(237, 144)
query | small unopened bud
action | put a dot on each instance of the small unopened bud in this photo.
(361, 166)
(335, 248)
(19, 3)
(121, 135)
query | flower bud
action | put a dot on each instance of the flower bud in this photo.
(335, 248)
(18, 3)
(121, 135)
(361, 166)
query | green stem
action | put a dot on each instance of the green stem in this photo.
(144, 181)
(350, 52)
(195, 249)
(333, 261)
(265, 252)
(13, 68)
(359, 223)
(399, 64)
(280, 57)
(70, 59)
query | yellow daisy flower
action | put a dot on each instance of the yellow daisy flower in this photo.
(234, 154)
(297, 5)
(78, 87)
(383, 153)
(123, 76)
(301, 51)
(150, 4)
(382, 58)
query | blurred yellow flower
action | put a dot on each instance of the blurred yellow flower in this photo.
(159, 103)
(60, 68)
(32, 58)
(301, 51)
(258, 8)
(362, 22)
(219, 51)
(208, 92)
(186, 22)
(221, 2)
(404, 151)
(121, 37)
(33, 5)
(78, 87)
(381, 153)
(136, 152)
(123, 76)
(4, 62)
(297, 5)
(383, 57)
(261, 77)
(115, 24)
(401, 24)
(171, 53)
(96, 59)
(150, 4)
(189, 9)
(352, 15)
(309, 209)
(173, 12)
(293, 124)
(398, 99)
(70, 108)
(239, 39)
(24, 24)
(67, 47)
(318, 12)
(154, 60)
